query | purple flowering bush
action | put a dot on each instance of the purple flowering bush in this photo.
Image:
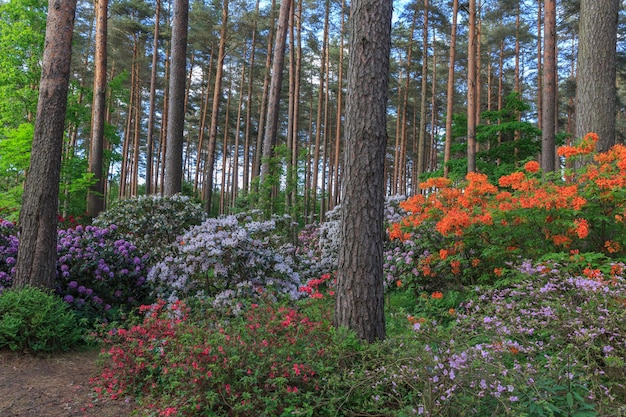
(228, 259)
(98, 276)
(8, 253)
(553, 344)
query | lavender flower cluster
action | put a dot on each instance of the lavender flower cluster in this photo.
(96, 273)
(228, 259)
(8, 253)
(554, 344)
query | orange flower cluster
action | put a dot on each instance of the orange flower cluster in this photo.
(459, 213)
(586, 146)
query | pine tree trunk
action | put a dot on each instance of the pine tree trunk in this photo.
(450, 92)
(217, 92)
(95, 197)
(359, 303)
(153, 77)
(37, 252)
(176, 118)
(595, 94)
(548, 149)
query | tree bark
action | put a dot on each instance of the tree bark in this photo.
(359, 300)
(153, 77)
(596, 91)
(217, 92)
(450, 92)
(273, 105)
(37, 252)
(548, 132)
(173, 180)
(95, 197)
(471, 89)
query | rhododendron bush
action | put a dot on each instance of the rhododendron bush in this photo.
(227, 259)
(474, 232)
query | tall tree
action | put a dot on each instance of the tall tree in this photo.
(217, 93)
(176, 108)
(595, 93)
(151, 111)
(359, 304)
(95, 197)
(548, 149)
(471, 89)
(273, 105)
(37, 254)
(450, 90)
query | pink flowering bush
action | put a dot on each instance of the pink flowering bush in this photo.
(190, 361)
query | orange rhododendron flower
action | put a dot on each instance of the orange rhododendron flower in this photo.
(456, 266)
(582, 228)
(561, 240)
(513, 180)
(439, 182)
(475, 262)
(437, 295)
(532, 166)
(443, 254)
(612, 246)
(498, 271)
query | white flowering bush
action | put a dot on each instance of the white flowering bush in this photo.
(152, 222)
(226, 259)
(318, 244)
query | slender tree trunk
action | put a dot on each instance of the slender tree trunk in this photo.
(204, 110)
(37, 252)
(359, 303)
(235, 164)
(539, 67)
(421, 146)
(450, 92)
(548, 148)
(95, 197)
(176, 119)
(153, 77)
(223, 185)
(164, 123)
(335, 199)
(471, 89)
(318, 123)
(273, 106)
(258, 151)
(405, 101)
(248, 123)
(217, 92)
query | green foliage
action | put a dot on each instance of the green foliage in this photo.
(38, 321)
(22, 30)
(506, 142)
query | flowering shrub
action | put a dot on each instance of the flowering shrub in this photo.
(152, 222)
(8, 253)
(480, 228)
(270, 360)
(100, 277)
(318, 244)
(226, 259)
(554, 344)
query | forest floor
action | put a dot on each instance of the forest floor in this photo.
(53, 386)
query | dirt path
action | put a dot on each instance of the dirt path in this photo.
(53, 386)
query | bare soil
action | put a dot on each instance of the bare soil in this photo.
(54, 386)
